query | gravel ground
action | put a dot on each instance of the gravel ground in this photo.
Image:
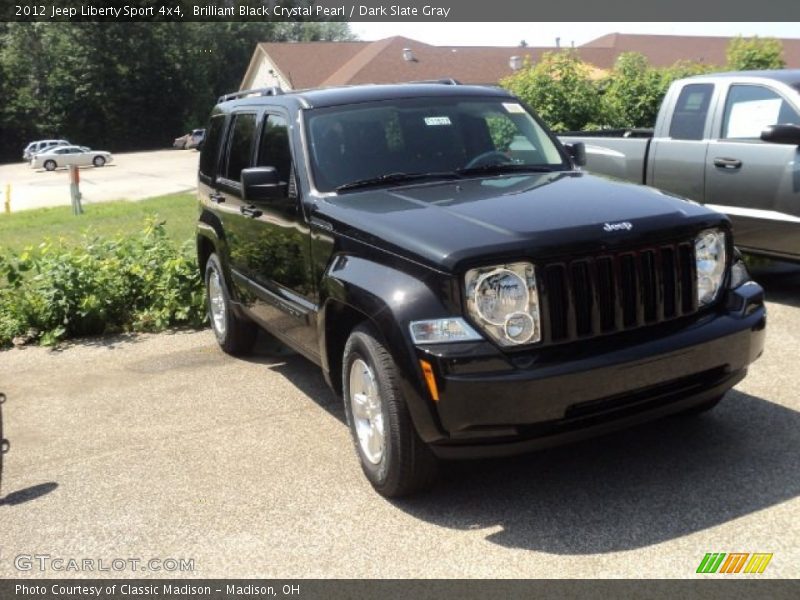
(161, 446)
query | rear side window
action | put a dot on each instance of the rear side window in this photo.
(240, 148)
(691, 110)
(750, 109)
(210, 152)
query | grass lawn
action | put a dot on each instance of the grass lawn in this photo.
(31, 227)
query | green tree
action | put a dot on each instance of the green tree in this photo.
(632, 92)
(125, 86)
(745, 54)
(560, 89)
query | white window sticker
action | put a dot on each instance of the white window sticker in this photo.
(748, 119)
(433, 121)
(513, 107)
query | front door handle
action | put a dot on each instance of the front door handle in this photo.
(215, 197)
(727, 163)
(250, 211)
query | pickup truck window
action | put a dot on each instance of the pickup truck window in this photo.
(751, 108)
(691, 110)
(370, 140)
(240, 149)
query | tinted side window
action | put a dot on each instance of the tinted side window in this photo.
(240, 149)
(751, 108)
(274, 148)
(691, 110)
(208, 157)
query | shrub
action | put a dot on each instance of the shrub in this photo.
(755, 53)
(632, 93)
(136, 283)
(559, 87)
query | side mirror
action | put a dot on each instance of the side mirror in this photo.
(262, 183)
(577, 150)
(782, 134)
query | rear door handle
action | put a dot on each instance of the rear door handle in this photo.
(250, 211)
(215, 197)
(727, 163)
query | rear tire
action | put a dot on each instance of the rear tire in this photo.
(393, 457)
(99, 161)
(235, 335)
(49, 165)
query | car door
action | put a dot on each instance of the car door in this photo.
(79, 157)
(238, 153)
(63, 157)
(678, 154)
(756, 183)
(278, 243)
(74, 156)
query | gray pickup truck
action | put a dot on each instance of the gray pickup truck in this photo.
(730, 141)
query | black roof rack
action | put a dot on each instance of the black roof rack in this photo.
(269, 91)
(442, 81)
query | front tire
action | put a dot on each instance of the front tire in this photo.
(235, 335)
(99, 161)
(393, 457)
(49, 165)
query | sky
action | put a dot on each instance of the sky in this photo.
(544, 34)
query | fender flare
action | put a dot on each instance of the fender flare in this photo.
(390, 299)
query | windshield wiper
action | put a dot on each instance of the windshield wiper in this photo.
(507, 168)
(390, 178)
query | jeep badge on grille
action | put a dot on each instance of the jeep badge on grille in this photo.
(627, 226)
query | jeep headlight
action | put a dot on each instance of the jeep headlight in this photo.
(504, 301)
(709, 254)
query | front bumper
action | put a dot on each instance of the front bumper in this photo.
(492, 403)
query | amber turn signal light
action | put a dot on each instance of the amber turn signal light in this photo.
(430, 379)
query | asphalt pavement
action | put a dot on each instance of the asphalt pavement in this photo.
(162, 447)
(131, 176)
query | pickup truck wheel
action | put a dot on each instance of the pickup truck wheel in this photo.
(50, 165)
(235, 335)
(393, 457)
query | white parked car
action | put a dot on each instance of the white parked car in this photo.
(70, 155)
(40, 146)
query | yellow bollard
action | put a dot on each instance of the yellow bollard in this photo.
(8, 199)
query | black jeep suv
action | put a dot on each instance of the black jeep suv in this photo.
(464, 286)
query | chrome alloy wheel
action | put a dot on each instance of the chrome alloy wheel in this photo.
(216, 302)
(367, 409)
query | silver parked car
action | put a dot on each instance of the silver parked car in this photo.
(40, 146)
(70, 155)
(196, 139)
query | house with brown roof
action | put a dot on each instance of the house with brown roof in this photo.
(298, 65)
(666, 50)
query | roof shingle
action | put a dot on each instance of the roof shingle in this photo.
(318, 64)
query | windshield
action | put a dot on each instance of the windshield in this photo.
(390, 141)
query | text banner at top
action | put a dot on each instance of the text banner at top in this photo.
(404, 10)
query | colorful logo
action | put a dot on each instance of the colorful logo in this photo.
(734, 562)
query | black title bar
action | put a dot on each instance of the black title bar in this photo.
(707, 588)
(403, 10)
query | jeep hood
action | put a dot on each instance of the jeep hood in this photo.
(449, 224)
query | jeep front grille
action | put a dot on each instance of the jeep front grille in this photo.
(593, 296)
